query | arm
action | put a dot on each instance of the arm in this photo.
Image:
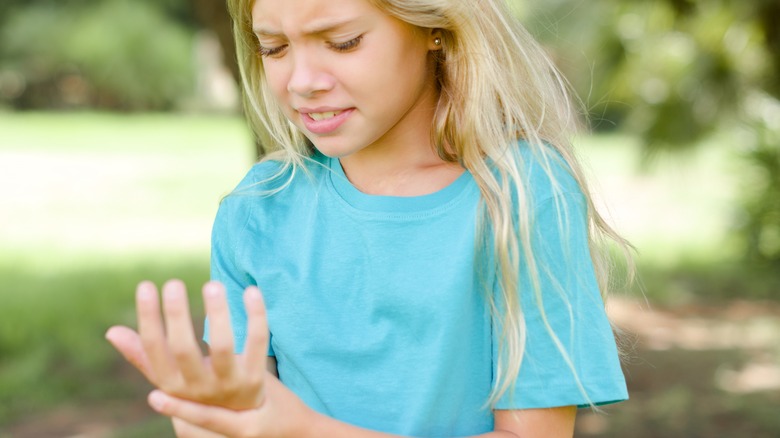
(184, 429)
(230, 395)
(547, 423)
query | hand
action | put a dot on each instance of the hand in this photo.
(182, 429)
(174, 363)
(282, 415)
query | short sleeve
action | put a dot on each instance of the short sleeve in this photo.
(228, 263)
(225, 269)
(581, 367)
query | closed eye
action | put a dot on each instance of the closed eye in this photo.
(347, 45)
(270, 51)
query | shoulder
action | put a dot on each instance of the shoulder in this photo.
(535, 176)
(268, 186)
(274, 176)
(267, 175)
(546, 172)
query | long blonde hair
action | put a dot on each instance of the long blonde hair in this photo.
(497, 85)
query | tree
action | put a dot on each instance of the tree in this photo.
(677, 72)
(214, 16)
(75, 54)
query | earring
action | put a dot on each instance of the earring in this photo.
(437, 41)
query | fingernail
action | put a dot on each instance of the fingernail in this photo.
(146, 292)
(174, 290)
(171, 294)
(255, 292)
(174, 282)
(211, 290)
(157, 400)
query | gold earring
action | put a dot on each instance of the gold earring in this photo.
(437, 41)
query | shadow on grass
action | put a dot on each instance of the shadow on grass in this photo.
(674, 394)
(56, 365)
(714, 284)
(679, 392)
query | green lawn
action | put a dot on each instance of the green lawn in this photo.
(90, 204)
(672, 207)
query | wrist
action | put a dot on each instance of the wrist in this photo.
(313, 425)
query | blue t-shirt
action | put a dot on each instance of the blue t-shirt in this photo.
(376, 315)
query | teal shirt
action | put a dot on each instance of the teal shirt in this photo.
(376, 315)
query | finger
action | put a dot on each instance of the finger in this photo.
(181, 335)
(128, 343)
(221, 345)
(256, 349)
(212, 418)
(152, 333)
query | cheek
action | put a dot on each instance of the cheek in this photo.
(396, 77)
(373, 74)
(399, 64)
(277, 79)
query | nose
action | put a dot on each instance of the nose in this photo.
(307, 76)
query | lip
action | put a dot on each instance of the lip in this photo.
(324, 126)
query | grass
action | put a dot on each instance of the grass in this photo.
(680, 212)
(672, 395)
(53, 325)
(94, 203)
(671, 207)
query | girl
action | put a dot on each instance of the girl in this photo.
(428, 253)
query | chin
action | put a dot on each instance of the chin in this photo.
(333, 150)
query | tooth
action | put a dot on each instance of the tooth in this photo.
(322, 116)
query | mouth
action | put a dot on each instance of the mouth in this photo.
(324, 121)
(324, 115)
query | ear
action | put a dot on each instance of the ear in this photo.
(435, 41)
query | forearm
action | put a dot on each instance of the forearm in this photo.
(555, 422)
(324, 426)
(302, 422)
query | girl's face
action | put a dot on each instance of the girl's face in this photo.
(350, 77)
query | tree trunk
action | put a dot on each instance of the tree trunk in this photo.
(213, 15)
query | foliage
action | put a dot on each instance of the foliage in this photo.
(678, 72)
(118, 54)
(713, 283)
(760, 227)
(670, 70)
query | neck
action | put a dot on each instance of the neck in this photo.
(414, 172)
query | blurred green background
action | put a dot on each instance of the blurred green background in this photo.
(120, 131)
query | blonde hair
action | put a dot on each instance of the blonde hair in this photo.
(497, 85)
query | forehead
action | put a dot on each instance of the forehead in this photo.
(292, 17)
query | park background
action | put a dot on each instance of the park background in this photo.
(120, 130)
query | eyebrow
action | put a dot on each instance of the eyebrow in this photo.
(316, 28)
